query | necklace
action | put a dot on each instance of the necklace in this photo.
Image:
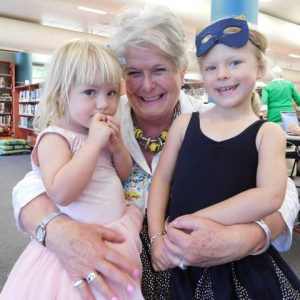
(154, 144)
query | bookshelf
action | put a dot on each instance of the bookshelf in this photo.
(7, 84)
(27, 98)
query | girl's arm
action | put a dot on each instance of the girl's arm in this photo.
(121, 158)
(256, 203)
(161, 180)
(159, 194)
(122, 162)
(65, 176)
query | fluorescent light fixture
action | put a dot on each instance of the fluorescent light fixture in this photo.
(294, 55)
(97, 11)
(265, 1)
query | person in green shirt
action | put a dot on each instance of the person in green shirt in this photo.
(277, 96)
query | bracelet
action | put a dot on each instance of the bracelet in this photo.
(267, 232)
(156, 236)
(41, 229)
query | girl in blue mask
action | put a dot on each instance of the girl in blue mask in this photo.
(226, 165)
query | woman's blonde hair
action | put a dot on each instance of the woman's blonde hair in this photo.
(77, 62)
(150, 26)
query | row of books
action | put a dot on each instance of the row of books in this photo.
(5, 120)
(32, 95)
(27, 109)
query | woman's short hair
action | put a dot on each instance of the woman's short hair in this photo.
(77, 62)
(150, 26)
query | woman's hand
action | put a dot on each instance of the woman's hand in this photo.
(82, 249)
(201, 242)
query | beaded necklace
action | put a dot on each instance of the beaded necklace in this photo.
(154, 144)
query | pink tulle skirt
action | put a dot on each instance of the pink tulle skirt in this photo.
(38, 274)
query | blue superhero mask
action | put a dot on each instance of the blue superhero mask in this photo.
(222, 32)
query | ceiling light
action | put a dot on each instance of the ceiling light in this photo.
(265, 1)
(97, 11)
(294, 55)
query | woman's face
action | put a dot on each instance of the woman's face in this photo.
(152, 81)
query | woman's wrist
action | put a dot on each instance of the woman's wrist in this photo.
(249, 237)
(32, 214)
(267, 234)
(57, 228)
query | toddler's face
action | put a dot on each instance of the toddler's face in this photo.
(86, 100)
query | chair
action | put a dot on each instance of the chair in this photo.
(293, 153)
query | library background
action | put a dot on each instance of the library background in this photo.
(20, 90)
(34, 28)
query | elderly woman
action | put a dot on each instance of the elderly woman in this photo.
(151, 46)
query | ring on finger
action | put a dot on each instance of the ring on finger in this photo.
(182, 265)
(91, 277)
(78, 282)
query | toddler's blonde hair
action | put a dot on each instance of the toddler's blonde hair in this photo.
(77, 62)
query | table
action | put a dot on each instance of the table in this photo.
(294, 139)
(292, 151)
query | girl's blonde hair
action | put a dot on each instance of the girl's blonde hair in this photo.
(260, 45)
(77, 62)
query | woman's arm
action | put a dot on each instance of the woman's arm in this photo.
(271, 179)
(201, 242)
(80, 247)
(288, 213)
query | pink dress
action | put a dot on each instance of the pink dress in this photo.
(38, 274)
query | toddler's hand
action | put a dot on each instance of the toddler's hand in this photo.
(115, 141)
(99, 131)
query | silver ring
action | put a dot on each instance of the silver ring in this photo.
(78, 282)
(91, 277)
(181, 265)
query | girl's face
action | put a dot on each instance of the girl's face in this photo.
(153, 83)
(229, 74)
(86, 100)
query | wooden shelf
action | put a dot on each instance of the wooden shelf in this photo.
(26, 98)
(7, 84)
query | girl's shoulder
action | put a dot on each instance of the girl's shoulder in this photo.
(74, 139)
(272, 133)
(183, 119)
